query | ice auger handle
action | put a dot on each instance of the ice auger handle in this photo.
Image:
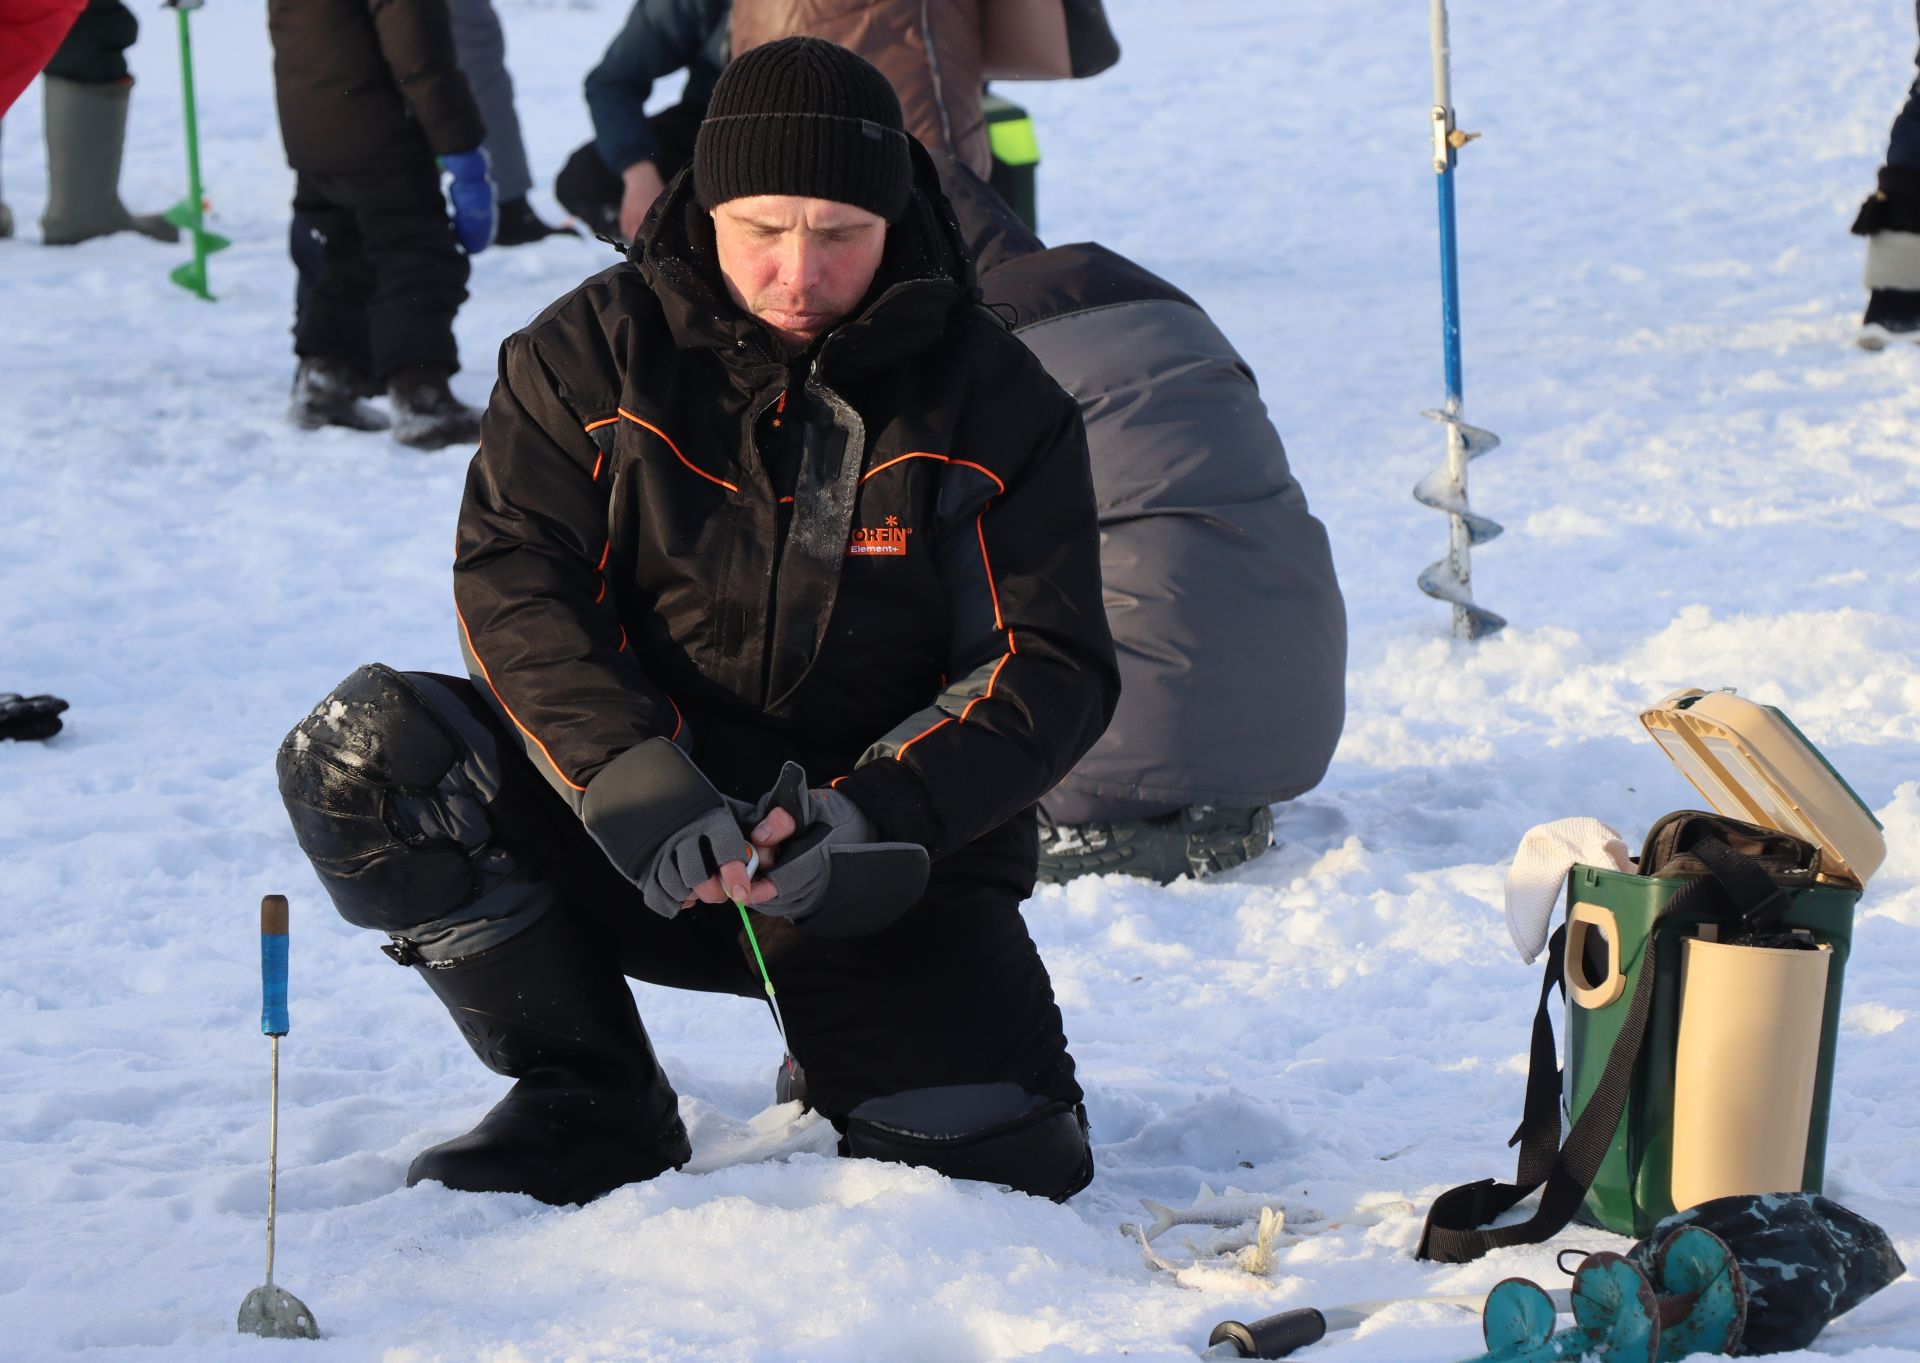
(1268, 1337)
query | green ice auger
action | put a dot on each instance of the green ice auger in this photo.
(188, 214)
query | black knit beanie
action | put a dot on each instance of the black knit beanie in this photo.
(804, 116)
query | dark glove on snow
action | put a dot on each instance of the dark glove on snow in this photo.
(833, 879)
(475, 214)
(29, 716)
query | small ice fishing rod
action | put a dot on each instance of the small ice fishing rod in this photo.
(773, 999)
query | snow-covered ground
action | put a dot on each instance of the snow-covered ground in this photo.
(1703, 483)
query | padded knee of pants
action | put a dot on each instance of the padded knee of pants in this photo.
(996, 1133)
(387, 791)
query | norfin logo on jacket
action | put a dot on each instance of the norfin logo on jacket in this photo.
(890, 538)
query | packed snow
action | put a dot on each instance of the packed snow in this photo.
(1703, 483)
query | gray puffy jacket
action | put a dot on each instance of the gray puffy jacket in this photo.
(1220, 588)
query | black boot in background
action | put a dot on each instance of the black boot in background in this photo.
(327, 393)
(426, 414)
(520, 226)
(591, 1109)
(1892, 315)
(1199, 840)
(1890, 221)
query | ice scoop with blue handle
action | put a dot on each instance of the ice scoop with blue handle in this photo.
(268, 1310)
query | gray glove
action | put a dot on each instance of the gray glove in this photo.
(833, 879)
(662, 824)
(695, 853)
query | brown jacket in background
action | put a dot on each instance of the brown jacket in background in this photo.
(368, 84)
(929, 49)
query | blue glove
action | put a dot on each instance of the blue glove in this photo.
(475, 214)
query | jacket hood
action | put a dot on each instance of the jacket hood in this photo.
(924, 275)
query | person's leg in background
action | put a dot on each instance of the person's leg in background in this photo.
(418, 282)
(1890, 221)
(88, 90)
(592, 193)
(331, 331)
(482, 48)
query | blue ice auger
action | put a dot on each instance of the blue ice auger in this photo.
(1444, 488)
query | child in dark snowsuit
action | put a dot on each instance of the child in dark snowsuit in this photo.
(369, 95)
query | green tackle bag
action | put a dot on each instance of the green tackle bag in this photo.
(1703, 996)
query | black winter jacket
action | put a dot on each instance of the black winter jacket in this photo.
(881, 562)
(368, 84)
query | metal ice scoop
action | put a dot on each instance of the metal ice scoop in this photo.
(268, 1310)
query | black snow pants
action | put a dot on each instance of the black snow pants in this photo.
(381, 275)
(591, 192)
(94, 52)
(445, 837)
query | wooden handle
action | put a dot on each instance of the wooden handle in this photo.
(273, 915)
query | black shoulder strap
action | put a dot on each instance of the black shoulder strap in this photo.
(1453, 1232)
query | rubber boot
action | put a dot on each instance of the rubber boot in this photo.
(86, 135)
(426, 414)
(590, 1109)
(327, 393)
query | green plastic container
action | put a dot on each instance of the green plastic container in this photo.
(1632, 1189)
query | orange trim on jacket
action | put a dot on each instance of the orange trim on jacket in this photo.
(943, 458)
(917, 737)
(506, 709)
(648, 425)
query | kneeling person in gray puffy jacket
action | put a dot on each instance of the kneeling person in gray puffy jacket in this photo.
(1220, 588)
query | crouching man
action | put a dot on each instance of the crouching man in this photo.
(777, 546)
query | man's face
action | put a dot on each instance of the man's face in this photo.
(798, 264)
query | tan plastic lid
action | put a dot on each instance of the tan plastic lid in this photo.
(1751, 763)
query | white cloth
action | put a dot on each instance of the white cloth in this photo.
(1540, 865)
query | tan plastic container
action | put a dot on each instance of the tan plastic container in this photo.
(1745, 1069)
(1751, 763)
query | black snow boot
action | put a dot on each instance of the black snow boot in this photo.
(591, 1109)
(426, 414)
(521, 226)
(327, 393)
(790, 1082)
(29, 717)
(1890, 221)
(1197, 841)
(1892, 315)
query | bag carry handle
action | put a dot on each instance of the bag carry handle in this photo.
(1456, 1230)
